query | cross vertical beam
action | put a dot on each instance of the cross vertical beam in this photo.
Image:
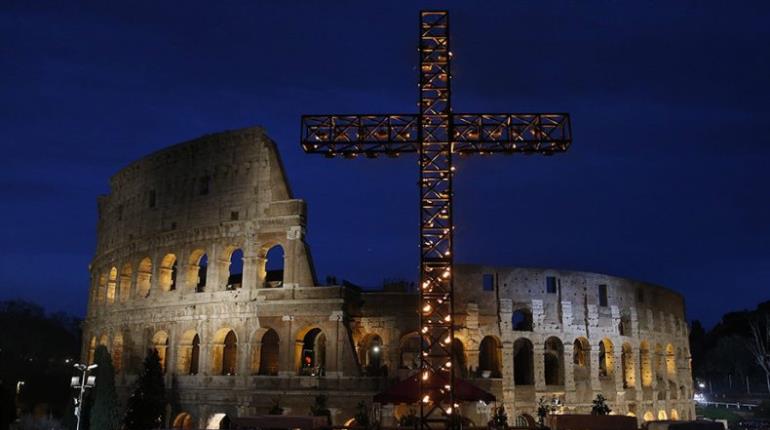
(436, 256)
(435, 133)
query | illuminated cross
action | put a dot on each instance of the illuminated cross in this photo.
(436, 133)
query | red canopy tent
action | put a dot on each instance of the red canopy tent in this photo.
(408, 390)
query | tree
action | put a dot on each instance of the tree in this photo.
(147, 404)
(600, 406)
(759, 345)
(104, 412)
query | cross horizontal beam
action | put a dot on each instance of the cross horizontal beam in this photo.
(372, 135)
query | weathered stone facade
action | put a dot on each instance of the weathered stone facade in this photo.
(166, 275)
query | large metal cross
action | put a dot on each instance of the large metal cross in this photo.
(436, 133)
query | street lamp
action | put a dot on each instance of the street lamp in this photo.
(81, 383)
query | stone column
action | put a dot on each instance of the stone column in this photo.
(507, 375)
(250, 271)
(538, 365)
(287, 361)
(617, 352)
(569, 373)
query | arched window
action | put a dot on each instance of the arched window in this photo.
(117, 353)
(168, 273)
(371, 354)
(235, 277)
(523, 369)
(229, 354)
(199, 262)
(659, 362)
(144, 278)
(101, 291)
(125, 282)
(670, 361)
(521, 320)
(627, 363)
(553, 361)
(648, 416)
(662, 415)
(313, 354)
(160, 344)
(112, 285)
(189, 353)
(489, 357)
(645, 365)
(183, 421)
(459, 363)
(268, 353)
(606, 358)
(580, 351)
(674, 415)
(274, 267)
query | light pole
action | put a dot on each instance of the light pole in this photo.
(81, 383)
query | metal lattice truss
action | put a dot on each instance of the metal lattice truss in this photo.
(436, 134)
(373, 135)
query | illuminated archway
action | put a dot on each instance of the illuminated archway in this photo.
(553, 361)
(490, 357)
(313, 352)
(218, 421)
(144, 278)
(268, 353)
(523, 363)
(183, 421)
(160, 344)
(662, 415)
(648, 416)
(674, 415)
(606, 358)
(112, 285)
(199, 262)
(670, 361)
(125, 282)
(117, 352)
(371, 354)
(189, 353)
(168, 273)
(645, 365)
(225, 352)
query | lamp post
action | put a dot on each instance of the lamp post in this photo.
(81, 383)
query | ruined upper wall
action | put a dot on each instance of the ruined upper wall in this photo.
(217, 178)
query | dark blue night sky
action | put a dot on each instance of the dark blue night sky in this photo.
(666, 180)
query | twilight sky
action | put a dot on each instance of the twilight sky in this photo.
(666, 180)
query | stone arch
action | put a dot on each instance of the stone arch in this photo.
(645, 365)
(553, 361)
(233, 266)
(218, 421)
(658, 362)
(670, 361)
(117, 352)
(674, 415)
(311, 344)
(521, 320)
(224, 352)
(160, 344)
(628, 366)
(144, 277)
(459, 361)
(648, 416)
(524, 421)
(112, 283)
(126, 273)
(104, 340)
(101, 288)
(606, 358)
(198, 269)
(183, 421)
(490, 357)
(409, 351)
(269, 353)
(274, 269)
(371, 353)
(168, 273)
(189, 353)
(581, 360)
(662, 416)
(523, 362)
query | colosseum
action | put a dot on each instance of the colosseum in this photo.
(201, 256)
